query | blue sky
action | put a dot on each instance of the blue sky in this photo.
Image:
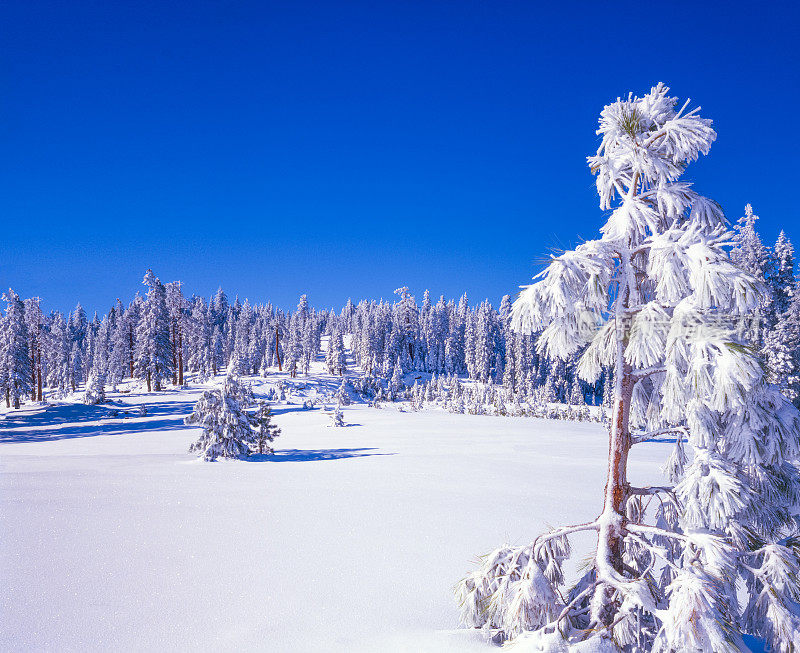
(345, 149)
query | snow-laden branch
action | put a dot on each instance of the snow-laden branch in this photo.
(650, 371)
(561, 532)
(637, 438)
(659, 551)
(651, 490)
(652, 530)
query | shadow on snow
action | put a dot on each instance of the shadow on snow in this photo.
(79, 421)
(306, 455)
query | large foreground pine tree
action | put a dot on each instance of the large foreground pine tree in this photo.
(657, 299)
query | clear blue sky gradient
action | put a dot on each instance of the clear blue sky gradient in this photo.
(345, 149)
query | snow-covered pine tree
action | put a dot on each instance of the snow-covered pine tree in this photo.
(406, 326)
(266, 431)
(748, 252)
(198, 340)
(227, 430)
(256, 344)
(337, 417)
(396, 383)
(176, 308)
(780, 277)
(58, 356)
(576, 397)
(153, 344)
(511, 371)
(335, 356)
(240, 354)
(15, 361)
(781, 351)
(119, 347)
(662, 289)
(342, 396)
(34, 321)
(95, 392)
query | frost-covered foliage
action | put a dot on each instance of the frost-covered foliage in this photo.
(165, 337)
(227, 429)
(95, 388)
(658, 299)
(337, 416)
(153, 351)
(335, 356)
(15, 363)
(266, 431)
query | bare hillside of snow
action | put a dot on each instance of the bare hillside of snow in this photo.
(114, 537)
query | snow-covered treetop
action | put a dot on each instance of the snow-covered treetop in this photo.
(663, 243)
(645, 144)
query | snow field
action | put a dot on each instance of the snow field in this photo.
(348, 539)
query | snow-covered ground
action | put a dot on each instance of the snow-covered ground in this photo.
(348, 539)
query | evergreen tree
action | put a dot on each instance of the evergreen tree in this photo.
(780, 276)
(15, 358)
(95, 392)
(95, 386)
(266, 431)
(663, 289)
(176, 308)
(153, 344)
(34, 321)
(335, 356)
(406, 325)
(240, 355)
(396, 385)
(119, 346)
(227, 430)
(781, 351)
(748, 252)
(58, 357)
(337, 417)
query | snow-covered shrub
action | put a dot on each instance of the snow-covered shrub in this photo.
(342, 395)
(95, 389)
(266, 431)
(337, 417)
(658, 299)
(227, 431)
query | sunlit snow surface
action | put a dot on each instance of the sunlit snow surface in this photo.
(348, 539)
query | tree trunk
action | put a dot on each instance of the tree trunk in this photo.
(180, 355)
(39, 374)
(149, 388)
(8, 398)
(174, 334)
(130, 357)
(33, 373)
(617, 482)
(611, 536)
(277, 351)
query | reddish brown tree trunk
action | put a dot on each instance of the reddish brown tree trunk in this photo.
(619, 445)
(611, 536)
(174, 338)
(180, 355)
(130, 343)
(33, 373)
(277, 351)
